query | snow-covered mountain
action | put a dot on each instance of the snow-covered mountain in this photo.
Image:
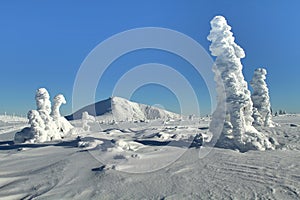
(120, 109)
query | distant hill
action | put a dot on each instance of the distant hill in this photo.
(120, 109)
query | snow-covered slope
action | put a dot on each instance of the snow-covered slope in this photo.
(120, 109)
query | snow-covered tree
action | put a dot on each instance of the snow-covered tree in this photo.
(57, 102)
(37, 126)
(234, 100)
(44, 125)
(258, 121)
(260, 97)
(62, 123)
(43, 104)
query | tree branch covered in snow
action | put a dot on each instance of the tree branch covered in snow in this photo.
(237, 131)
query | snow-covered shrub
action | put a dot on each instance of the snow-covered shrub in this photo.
(237, 131)
(260, 97)
(44, 124)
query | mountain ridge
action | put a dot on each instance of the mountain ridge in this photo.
(121, 109)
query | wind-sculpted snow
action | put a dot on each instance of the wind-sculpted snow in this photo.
(238, 132)
(260, 98)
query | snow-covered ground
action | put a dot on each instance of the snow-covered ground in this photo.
(148, 160)
(11, 123)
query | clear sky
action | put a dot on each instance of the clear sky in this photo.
(43, 43)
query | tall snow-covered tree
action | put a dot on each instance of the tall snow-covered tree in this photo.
(260, 97)
(237, 131)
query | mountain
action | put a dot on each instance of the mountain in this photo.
(120, 109)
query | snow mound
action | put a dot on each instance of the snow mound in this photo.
(119, 109)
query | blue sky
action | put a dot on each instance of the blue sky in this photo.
(43, 43)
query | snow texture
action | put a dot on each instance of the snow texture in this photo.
(260, 98)
(237, 132)
(136, 163)
(44, 124)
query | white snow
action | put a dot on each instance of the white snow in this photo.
(131, 161)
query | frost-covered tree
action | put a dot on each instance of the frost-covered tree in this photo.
(44, 124)
(234, 101)
(37, 126)
(258, 121)
(260, 97)
(62, 123)
(43, 104)
(57, 102)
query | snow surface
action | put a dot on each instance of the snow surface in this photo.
(149, 160)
